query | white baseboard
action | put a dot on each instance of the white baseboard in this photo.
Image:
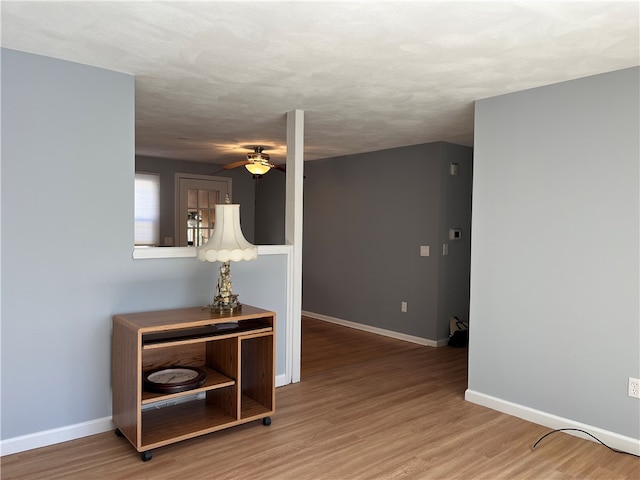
(380, 331)
(281, 380)
(613, 440)
(55, 435)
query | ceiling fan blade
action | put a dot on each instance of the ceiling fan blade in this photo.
(280, 168)
(229, 166)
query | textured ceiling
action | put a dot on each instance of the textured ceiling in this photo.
(215, 78)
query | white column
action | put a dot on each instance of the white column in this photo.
(293, 233)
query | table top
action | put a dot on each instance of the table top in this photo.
(187, 317)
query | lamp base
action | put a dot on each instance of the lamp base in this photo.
(224, 300)
(228, 304)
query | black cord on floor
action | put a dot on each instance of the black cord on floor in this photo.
(582, 431)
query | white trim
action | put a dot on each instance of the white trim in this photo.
(275, 249)
(163, 252)
(290, 355)
(293, 234)
(55, 435)
(198, 176)
(380, 331)
(185, 252)
(290, 324)
(613, 440)
(281, 380)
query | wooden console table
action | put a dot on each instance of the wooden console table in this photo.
(239, 362)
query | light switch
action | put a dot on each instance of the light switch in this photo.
(424, 250)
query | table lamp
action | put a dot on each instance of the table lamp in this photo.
(227, 243)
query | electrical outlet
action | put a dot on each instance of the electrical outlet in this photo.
(403, 307)
(634, 387)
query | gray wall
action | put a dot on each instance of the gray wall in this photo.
(455, 212)
(365, 218)
(67, 236)
(270, 208)
(554, 283)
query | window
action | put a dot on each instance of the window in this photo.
(147, 209)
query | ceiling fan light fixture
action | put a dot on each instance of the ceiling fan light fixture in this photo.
(258, 168)
(259, 163)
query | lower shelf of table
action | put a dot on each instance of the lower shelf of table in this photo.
(251, 408)
(174, 423)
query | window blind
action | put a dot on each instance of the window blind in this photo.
(147, 209)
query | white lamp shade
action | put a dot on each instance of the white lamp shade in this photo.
(227, 242)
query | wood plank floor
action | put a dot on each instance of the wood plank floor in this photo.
(368, 407)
